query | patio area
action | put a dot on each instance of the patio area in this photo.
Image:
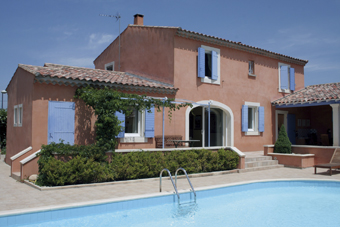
(18, 196)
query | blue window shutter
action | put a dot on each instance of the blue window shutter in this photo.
(292, 78)
(121, 117)
(244, 118)
(61, 117)
(150, 123)
(214, 57)
(284, 76)
(201, 62)
(261, 119)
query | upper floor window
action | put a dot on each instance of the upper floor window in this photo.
(18, 113)
(286, 78)
(209, 64)
(251, 69)
(110, 66)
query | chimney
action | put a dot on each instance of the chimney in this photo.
(138, 19)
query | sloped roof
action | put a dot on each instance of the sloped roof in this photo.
(313, 94)
(78, 76)
(228, 43)
(238, 45)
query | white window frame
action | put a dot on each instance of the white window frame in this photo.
(110, 64)
(18, 115)
(255, 130)
(251, 63)
(139, 115)
(207, 79)
(136, 137)
(284, 90)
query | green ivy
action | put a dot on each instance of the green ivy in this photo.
(106, 102)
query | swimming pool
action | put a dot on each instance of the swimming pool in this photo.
(267, 203)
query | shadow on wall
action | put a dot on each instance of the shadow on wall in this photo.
(84, 124)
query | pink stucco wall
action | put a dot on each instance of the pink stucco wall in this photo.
(318, 155)
(144, 51)
(20, 91)
(235, 88)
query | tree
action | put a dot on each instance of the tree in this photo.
(3, 127)
(283, 145)
(106, 102)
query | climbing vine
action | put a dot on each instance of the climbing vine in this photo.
(106, 102)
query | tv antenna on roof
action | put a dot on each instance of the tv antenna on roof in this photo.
(117, 16)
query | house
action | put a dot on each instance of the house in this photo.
(311, 115)
(247, 89)
(239, 81)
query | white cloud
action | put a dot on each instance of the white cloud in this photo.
(321, 67)
(96, 39)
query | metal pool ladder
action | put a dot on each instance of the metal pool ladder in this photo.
(175, 184)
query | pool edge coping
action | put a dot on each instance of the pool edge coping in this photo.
(144, 196)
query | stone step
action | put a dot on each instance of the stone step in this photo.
(261, 163)
(259, 158)
(260, 168)
(16, 176)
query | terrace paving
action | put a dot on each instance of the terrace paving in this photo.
(16, 196)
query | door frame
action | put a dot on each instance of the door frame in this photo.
(228, 121)
(277, 112)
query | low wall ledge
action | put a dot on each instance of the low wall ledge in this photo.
(295, 155)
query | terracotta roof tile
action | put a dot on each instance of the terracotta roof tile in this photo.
(233, 44)
(55, 71)
(312, 94)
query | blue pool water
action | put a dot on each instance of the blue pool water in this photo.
(274, 203)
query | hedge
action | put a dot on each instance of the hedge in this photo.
(87, 164)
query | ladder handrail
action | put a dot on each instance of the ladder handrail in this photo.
(185, 172)
(160, 182)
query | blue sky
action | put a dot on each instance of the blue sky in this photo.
(71, 32)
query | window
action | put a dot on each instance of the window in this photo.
(132, 124)
(251, 71)
(252, 118)
(18, 113)
(209, 64)
(286, 78)
(137, 127)
(110, 66)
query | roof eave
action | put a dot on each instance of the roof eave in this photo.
(81, 83)
(239, 46)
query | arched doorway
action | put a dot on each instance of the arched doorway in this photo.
(221, 124)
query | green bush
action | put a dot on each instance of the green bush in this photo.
(63, 164)
(78, 170)
(137, 165)
(283, 145)
(3, 127)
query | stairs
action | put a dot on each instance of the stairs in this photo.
(253, 163)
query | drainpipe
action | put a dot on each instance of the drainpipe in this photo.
(163, 123)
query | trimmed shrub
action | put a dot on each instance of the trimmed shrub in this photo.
(63, 164)
(78, 170)
(283, 145)
(137, 165)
